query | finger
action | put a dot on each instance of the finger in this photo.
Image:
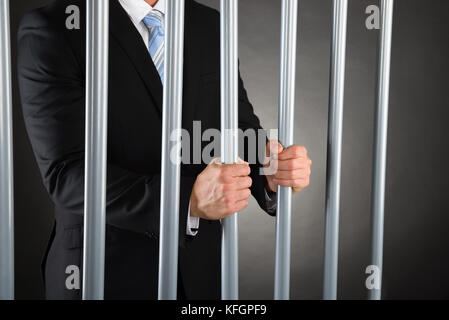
(274, 148)
(292, 174)
(230, 198)
(242, 182)
(293, 152)
(236, 207)
(240, 205)
(296, 183)
(237, 183)
(292, 164)
(239, 195)
(228, 171)
(241, 161)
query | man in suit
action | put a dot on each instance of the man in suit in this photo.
(51, 68)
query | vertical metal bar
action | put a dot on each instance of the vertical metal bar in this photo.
(286, 125)
(229, 139)
(6, 158)
(334, 144)
(170, 175)
(380, 144)
(97, 48)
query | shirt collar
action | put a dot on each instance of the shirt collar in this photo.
(138, 9)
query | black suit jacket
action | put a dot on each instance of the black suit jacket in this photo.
(51, 68)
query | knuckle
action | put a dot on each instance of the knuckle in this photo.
(296, 151)
(284, 175)
(299, 151)
(305, 183)
(304, 150)
(224, 188)
(229, 209)
(227, 199)
(291, 165)
(295, 174)
(224, 171)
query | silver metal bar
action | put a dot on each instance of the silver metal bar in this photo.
(229, 140)
(171, 170)
(380, 143)
(6, 160)
(289, 26)
(97, 48)
(334, 144)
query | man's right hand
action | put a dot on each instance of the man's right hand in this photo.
(220, 190)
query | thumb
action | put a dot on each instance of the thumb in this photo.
(274, 148)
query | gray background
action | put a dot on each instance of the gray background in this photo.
(416, 241)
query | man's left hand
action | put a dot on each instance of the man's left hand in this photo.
(293, 167)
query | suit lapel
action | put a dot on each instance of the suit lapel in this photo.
(123, 31)
(129, 39)
(192, 63)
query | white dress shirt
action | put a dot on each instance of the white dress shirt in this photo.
(137, 10)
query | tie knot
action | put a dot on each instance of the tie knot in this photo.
(153, 20)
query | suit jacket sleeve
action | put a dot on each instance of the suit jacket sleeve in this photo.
(248, 120)
(52, 89)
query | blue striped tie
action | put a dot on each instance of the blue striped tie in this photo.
(153, 21)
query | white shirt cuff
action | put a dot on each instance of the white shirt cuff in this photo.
(193, 223)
